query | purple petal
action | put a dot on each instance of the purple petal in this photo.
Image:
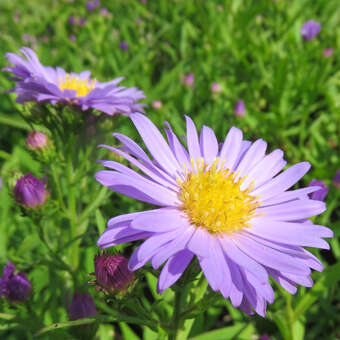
(209, 145)
(173, 269)
(192, 140)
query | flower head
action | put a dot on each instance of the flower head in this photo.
(189, 79)
(112, 272)
(123, 45)
(240, 108)
(327, 52)
(36, 140)
(30, 191)
(38, 83)
(227, 204)
(320, 194)
(14, 287)
(82, 306)
(216, 87)
(310, 29)
(336, 179)
(157, 104)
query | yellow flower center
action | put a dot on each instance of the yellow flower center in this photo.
(212, 199)
(82, 87)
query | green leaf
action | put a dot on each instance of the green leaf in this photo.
(225, 333)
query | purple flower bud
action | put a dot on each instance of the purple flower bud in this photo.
(320, 194)
(216, 87)
(90, 5)
(327, 52)
(112, 273)
(30, 191)
(123, 45)
(336, 179)
(72, 37)
(104, 12)
(189, 79)
(96, 3)
(240, 108)
(310, 29)
(71, 20)
(36, 140)
(264, 337)
(14, 287)
(157, 104)
(82, 306)
(82, 21)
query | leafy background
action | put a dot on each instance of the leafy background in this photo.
(255, 51)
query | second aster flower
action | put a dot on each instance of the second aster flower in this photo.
(226, 204)
(38, 83)
(112, 273)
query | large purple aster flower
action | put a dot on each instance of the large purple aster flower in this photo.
(227, 205)
(35, 82)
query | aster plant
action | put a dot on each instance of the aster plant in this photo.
(225, 206)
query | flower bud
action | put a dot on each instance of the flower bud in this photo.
(30, 191)
(36, 140)
(240, 108)
(336, 179)
(157, 104)
(189, 79)
(320, 194)
(112, 273)
(14, 287)
(82, 306)
(310, 29)
(216, 87)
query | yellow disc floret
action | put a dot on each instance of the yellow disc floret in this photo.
(212, 199)
(82, 87)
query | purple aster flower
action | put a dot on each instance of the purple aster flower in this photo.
(240, 108)
(36, 140)
(72, 37)
(82, 306)
(35, 82)
(320, 194)
(327, 52)
(30, 191)
(72, 20)
(14, 287)
(90, 5)
(112, 272)
(336, 179)
(227, 205)
(310, 29)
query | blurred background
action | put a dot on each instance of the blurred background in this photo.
(224, 63)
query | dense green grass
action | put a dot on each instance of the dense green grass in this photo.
(255, 51)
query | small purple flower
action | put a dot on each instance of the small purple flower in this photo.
(30, 191)
(36, 140)
(72, 20)
(123, 45)
(104, 12)
(336, 179)
(82, 22)
(157, 104)
(14, 287)
(72, 37)
(216, 87)
(264, 337)
(38, 83)
(240, 108)
(318, 195)
(82, 306)
(327, 52)
(112, 273)
(90, 6)
(189, 79)
(310, 29)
